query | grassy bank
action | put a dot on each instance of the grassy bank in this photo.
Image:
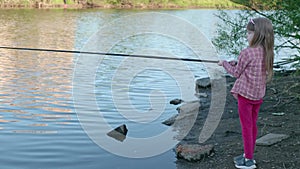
(118, 4)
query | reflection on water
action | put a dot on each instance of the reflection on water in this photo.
(35, 86)
(38, 125)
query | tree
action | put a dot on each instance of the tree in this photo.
(285, 16)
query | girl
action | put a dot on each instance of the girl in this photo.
(252, 70)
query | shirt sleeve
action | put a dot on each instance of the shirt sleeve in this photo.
(237, 70)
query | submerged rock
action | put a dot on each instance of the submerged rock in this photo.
(119, 133)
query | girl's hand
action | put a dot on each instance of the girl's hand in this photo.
(233, 63)
(220, 63)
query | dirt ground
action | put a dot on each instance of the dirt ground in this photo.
(282, 96)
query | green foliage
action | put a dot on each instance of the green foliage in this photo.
(113, 2)
(285, 17)
(232, 33)
(30, 3)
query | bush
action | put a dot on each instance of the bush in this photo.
(285, 16)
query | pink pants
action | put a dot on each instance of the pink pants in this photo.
(248, 112)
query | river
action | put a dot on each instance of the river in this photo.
(52, 103)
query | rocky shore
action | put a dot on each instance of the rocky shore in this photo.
(279, 116)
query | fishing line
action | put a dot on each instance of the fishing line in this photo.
(108, 54)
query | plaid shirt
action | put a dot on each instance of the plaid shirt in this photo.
(250, 73)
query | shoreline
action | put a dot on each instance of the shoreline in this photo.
(118, 6)
(283, 98)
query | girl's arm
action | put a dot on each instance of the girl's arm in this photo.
(236, 70)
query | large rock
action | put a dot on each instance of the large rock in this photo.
(187, 115)
(194, 152)
(203, 82)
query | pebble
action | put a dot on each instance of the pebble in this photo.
(176, 101)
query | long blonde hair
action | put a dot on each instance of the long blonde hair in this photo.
(263, 36)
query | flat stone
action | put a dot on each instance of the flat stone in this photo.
(270, 139)
(189, 107)
(170, 121)
(188, 110)
(203, 95)
(187, 115)
(194, 152)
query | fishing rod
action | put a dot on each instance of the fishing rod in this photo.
(108, 54)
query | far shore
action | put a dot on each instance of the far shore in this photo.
(110, 6)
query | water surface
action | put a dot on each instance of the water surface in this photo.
(39, 126)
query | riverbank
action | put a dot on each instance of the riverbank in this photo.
(279, 114)
(122, 4)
